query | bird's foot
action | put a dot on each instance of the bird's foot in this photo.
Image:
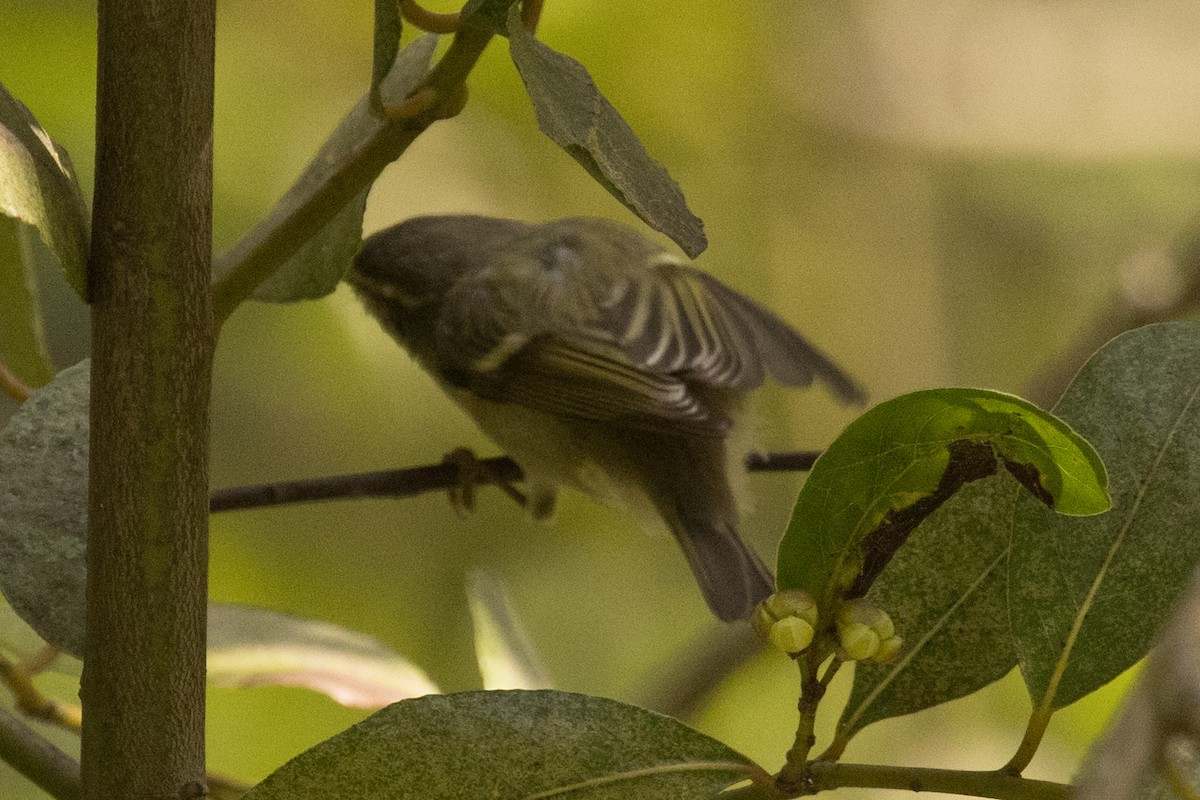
(471, 473)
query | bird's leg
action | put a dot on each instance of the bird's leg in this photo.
(471, 473)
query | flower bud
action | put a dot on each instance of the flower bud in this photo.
(865, 613)
(858, 640)
(791, 635)
(787, 620)
(889, 649)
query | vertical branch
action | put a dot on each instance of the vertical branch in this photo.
(152, 342)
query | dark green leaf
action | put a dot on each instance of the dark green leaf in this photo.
(945, 591)
(38, 187)
(513, 745)
(388, 27)
(578, 118)
(898, 462)
(249, 646)
(21, 342)
(1088, 595)
(43, 508)
(315, 269)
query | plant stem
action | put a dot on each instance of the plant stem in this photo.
(824, 775)
(38, 760)
(269, 244)
(152, 342)
(13, 386)
(32, 702)
(794, 775)
(1034, 731)
(427, 20)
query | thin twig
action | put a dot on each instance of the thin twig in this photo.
(531, 13)
(429, 21)
(13, 386)
(431, 478)
(31, 702)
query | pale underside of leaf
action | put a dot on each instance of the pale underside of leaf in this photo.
(38, 186)
(577, 117)
(506, 656)
(252, 646)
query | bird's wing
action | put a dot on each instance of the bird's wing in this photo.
(592, 379)
(679, 321)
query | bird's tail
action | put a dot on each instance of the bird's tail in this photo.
(732, 578)
(693, 496)
(683, 481)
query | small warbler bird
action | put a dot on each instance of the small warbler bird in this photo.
(599, 360)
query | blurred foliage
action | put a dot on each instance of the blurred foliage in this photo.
(936, 194)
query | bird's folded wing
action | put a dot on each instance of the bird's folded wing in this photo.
(680, 321)
(592, 379)
(791, 359)
(668, 322)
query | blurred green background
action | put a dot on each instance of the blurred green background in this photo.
(937, 193)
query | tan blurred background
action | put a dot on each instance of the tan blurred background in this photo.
(940, 192)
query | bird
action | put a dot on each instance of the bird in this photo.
(600, 360)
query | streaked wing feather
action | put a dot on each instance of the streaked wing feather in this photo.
(788, 355)
(668, 322)
(593, 380)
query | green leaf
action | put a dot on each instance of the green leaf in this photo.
(43, 508)
(388, 27)
(902, 459)
(21, 341)
(579, 119)
(513, 745)
(38, 187)
(315, 269)
(249, 646)
(1087, 596)
(945, 589)
(507, 659)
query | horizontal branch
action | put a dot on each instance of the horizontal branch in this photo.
(431, 478)
(826, 775)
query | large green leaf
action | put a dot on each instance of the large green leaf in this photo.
(38, 187)
(579, 119)
(43, 508)
(897, 463)
(22, 345)
(250, 646)
(314, 270)
(513, 745)
(1087, 595)
(945, 590)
